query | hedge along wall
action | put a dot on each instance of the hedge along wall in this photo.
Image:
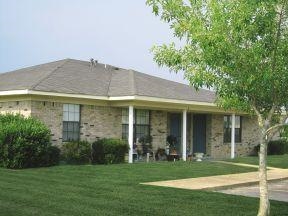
(25, 142)
(109, 151)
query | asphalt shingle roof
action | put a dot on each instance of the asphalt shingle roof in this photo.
(79, 77)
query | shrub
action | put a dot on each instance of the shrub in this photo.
(109, 151)
(275, 147)
(77, 152)
(53, 156)
(24, 142)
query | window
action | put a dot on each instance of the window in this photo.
(141, 123)
(71, 122)
(227, 128)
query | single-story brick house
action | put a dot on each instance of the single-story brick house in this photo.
(88, 100)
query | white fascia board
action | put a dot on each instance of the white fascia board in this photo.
(120, 98)
(163, 100)
(14, 92)
(81, 96)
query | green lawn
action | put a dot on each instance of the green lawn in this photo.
(279, 161)
(115, 190)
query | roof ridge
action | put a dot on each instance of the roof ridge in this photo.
(50, 74)
(133, 86)
(110, 80)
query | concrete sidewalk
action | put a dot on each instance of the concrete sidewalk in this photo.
(277, 190)
(221, 181)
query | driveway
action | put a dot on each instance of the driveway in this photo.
(277, 191)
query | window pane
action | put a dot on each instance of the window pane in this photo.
(226, 122)
(142, 117)
(65, 126)
(70, 126)
(65, 116)
(71, 131)
(142, 130)
(237, 121)
(66, 107)
(71, 107)
(71, 112)
(71, 118)
(124, 131)
(76, 108)
(65, 136)
(125, 118)
(76, 117)
(237, 135)
(227, 128)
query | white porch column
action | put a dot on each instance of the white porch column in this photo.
(184, 130)
(233, 136)
(130, 133)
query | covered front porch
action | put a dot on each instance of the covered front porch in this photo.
(191, 130)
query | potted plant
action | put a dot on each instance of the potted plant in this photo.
(160, 154)
(199, 156)
(146, 142)
(171, 141)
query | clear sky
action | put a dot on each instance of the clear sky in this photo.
(116, 32)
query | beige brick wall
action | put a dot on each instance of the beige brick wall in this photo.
(22, 107)
(250, 136)
(51, 113)
(218, 149)
(158, 128)
(95, 121)
(100, 122)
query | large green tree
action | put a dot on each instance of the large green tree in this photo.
(239, 48)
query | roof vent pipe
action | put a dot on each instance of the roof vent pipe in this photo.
(93, 62)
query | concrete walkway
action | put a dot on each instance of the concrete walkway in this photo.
(222, 181)
(277, 190)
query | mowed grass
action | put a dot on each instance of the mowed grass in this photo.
(115, 190)
(278, 161)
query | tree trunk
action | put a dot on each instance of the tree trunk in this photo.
(264, 207)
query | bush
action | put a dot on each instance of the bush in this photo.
(275, 147)
(109, 151)
(76, 152)
(25, 142)
(53, 156)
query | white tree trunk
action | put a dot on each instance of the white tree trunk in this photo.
(264, 206)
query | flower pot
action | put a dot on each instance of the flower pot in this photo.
(199, 156)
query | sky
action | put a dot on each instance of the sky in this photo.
(119, 33)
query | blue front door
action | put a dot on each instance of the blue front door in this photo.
(175, 129)
(199, 133)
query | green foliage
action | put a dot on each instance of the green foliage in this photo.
(237, 48)
(78, 152)
(276, 147)
(109, 151)
(52, 156)
(146, 142)
(161, 154)
(115, 190)
(25, 142)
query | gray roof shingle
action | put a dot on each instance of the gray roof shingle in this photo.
(79, 77)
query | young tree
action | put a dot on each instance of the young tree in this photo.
(237, 48)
